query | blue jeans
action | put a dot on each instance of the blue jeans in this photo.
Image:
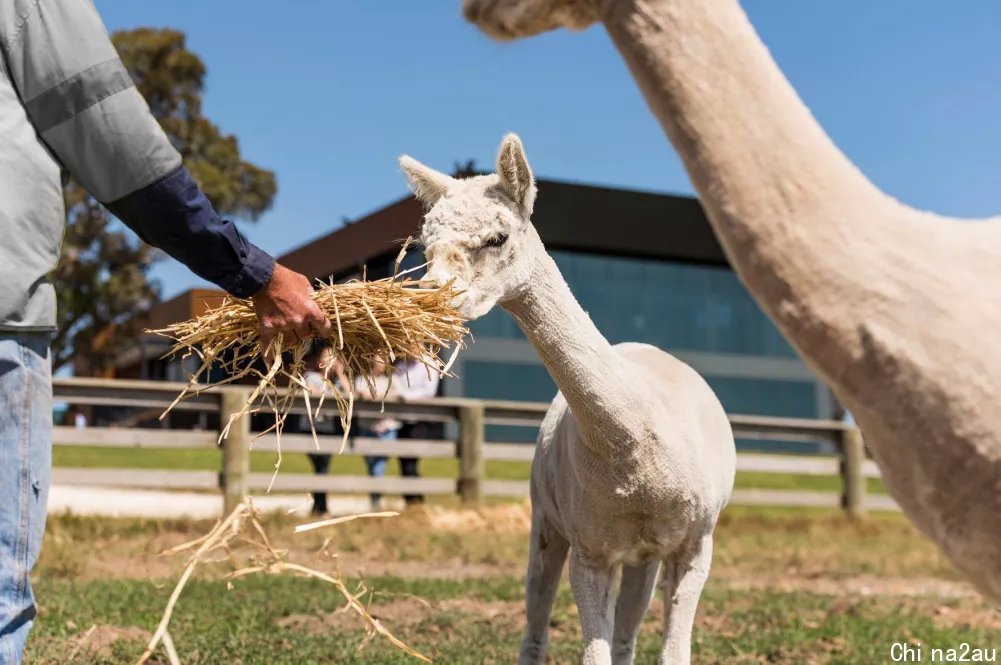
(25, 460)
(376, 464)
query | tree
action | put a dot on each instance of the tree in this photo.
(465, 169)
(102, 277)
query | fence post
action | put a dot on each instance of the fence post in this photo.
(471, 467)
(852, 480)
(235, 449)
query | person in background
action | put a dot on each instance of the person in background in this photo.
(415, 381)
(377, 386)
(68, 105)
(322, 366)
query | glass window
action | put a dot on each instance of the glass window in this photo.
(792, 399)
(766, 397)
(532, 383)
(514, 381)
(413, 258)
(496, 323)
(517, 381)
(670, 305)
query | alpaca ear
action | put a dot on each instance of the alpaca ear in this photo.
(427, 184)
(515, 174)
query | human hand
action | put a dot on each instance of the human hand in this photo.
(285, 305)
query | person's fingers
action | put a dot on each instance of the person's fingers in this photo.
(267, 334)
(302, 329)
(287, 302)
(267, 324)
(320, 323)
(323, 327)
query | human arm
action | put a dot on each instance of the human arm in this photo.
(82, 103)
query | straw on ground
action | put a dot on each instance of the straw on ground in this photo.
(241, 532)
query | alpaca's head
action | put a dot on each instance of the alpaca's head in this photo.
(477, 230)
(512, 19)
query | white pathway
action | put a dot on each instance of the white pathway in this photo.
(114, 502)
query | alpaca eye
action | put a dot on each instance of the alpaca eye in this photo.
(496, 241)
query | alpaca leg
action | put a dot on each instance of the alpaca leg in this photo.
(682, 582)
(592, 589)
(547, 553)
(635, 592)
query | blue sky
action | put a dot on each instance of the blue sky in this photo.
(328, 94)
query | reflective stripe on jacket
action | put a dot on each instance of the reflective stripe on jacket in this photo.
(67, 102)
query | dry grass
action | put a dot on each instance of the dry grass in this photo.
(240, 539)
(753, 546)
(788, 586)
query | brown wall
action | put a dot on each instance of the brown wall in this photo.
(185, 306)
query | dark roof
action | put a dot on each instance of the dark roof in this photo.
(625, 222)
(568, 216)
(351, 245)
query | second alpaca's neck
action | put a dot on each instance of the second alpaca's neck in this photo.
(588, 371)
(789, 208)
(754, 151)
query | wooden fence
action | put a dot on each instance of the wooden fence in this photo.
(470, 448)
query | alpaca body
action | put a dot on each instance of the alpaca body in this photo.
(636, 501)
(635, 458)
(631, 505)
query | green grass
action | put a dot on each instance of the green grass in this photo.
(98, 457)
(789, 481)
(478, 622)
(781, 592)
(210, 460)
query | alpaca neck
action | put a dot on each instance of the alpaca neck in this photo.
(588, 371)
(793, 214)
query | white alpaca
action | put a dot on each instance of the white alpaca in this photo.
(635, 458)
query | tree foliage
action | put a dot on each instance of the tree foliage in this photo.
(102, 276)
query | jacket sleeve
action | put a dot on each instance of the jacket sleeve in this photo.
(85, 107)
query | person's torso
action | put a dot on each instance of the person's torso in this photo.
(32, 217)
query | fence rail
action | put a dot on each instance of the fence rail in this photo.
(470, 448)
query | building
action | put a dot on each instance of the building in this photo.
(146, 360)
(646, 266)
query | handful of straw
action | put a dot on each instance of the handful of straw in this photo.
(385, 319)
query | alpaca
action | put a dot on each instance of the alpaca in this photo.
(635, 458)
(896, 309)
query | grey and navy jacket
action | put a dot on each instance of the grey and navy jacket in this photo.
(68, 103)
